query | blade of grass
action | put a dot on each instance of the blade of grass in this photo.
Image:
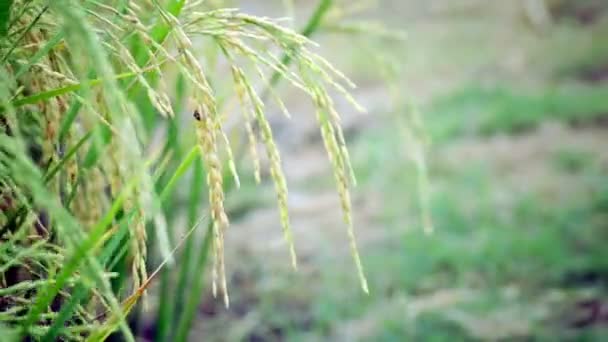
(196, 290)
(165, 308)
(173, 126)
(66, 312)
(129, 303)
(40, 53)
(51, 173)
(143, 52)
(167, 315)
(179, 172)
(196, 197)
(82, 291)
(159, 33)
(161, 30)
(57, 167)
(29, 27)
(46, 95)
(101, 138)
(28, 176)
(5, 12)
(312, 25)
(46, 295)
(68, 119)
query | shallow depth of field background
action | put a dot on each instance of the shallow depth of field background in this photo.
(515, 110)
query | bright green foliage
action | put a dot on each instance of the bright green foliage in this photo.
(5, 11)
(487, 111)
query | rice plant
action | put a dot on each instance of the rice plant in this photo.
(108, 108)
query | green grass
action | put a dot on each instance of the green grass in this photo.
(511, 249)
(512, 235)
(475, 249)
(572, 160)
(476, 110)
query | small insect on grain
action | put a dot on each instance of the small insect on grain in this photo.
(197, 115)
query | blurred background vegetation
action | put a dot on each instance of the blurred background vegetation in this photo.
(514, 105)
(487, 123)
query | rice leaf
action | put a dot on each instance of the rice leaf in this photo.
(5, 12)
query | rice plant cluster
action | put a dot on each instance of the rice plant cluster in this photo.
(85, 88)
